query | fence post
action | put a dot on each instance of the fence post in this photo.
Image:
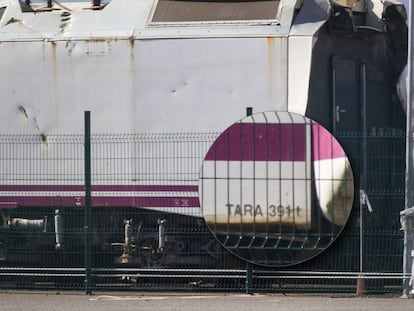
(249, 278)
(407, 224)
(409, 166)
(363, 198)
(87, 210)
(249, 112)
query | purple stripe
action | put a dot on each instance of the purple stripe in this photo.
(182, 188)
(41, 188)
(8, 204)
(142, 202)
(260, 142)
(325, 146)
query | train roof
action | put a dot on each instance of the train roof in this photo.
(54, 20)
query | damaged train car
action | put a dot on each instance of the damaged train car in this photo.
(169, 77)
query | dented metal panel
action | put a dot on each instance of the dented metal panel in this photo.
(145, 86)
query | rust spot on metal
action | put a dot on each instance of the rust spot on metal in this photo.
(271, 50)
(13, 20)
(70, 46)
(36, 124)
(44, 139)
(98, 47)
(132, 44)
(24, 111)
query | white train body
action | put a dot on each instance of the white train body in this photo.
(135, 76)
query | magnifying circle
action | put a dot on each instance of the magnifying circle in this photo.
(276, 189)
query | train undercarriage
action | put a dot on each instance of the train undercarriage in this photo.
(133, 238)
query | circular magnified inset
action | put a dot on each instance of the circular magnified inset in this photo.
(276, 188)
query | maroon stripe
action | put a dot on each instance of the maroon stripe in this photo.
(41, 188)
(260, 142)
(325, 146)
(8, 204)
(65, 201)
(177, 188)
(189, 188)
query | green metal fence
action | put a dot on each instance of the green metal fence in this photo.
(166, 245)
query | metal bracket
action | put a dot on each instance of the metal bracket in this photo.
(364, 200)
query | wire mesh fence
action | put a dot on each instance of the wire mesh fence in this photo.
(147, 230)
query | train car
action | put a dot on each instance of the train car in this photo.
(163, 79)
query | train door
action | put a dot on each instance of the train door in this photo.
(346, 95)
(348, 109)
